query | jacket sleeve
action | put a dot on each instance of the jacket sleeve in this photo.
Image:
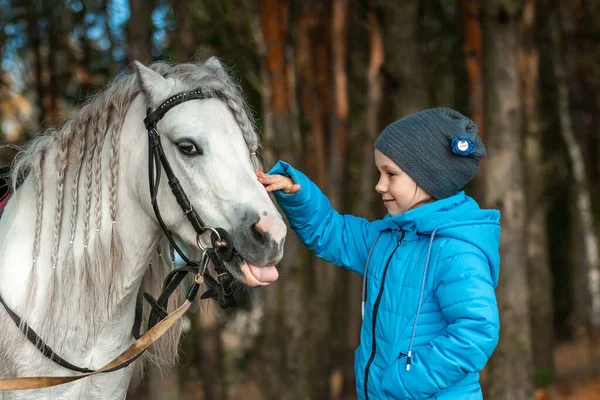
(464, 291)
(341, 239)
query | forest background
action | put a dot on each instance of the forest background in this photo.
(323, 78)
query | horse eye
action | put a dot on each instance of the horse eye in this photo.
(189, 148)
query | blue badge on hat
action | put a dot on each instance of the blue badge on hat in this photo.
(463, 145)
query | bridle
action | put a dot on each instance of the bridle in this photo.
(221, 249)
(222, 246)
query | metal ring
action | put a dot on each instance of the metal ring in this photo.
(219, 241)
(198, 242)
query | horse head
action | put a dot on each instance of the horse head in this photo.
(211, 146)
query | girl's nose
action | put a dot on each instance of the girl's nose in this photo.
(380, 187)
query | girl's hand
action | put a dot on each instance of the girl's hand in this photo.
(277, 182)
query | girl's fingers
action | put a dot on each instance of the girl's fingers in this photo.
(267, 179)
(294, 189)
(276, 182)
(270, 179)
(279, 185)
(288, 187)
(260, 175)
(273, 181)
(264, 178)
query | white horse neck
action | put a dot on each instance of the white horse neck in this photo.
(86, 327)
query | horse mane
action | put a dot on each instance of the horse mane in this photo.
(77, 145)
(114, 101)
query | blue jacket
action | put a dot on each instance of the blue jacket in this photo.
(430, 284)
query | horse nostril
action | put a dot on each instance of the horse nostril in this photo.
(267, 230)
(258, 233)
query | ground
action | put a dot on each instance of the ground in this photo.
(578, 372)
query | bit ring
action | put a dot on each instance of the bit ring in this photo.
(218, 243)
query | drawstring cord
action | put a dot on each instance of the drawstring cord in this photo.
(364, 283)
(414, 329)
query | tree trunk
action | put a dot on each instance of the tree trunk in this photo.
(473, 49)
(279, 364)
(338, 170)
(404, 66)
(510, 366)
(139, 29)
(183, 37)
(35, 44)
(566, 20)
(539, 273)
(280, 134)
(113, 68)
(313, 46)
(583, 195)
(55, 51)
(579, 318)
(373, 113)
(438, 34)
(338, 141)
(312, 77)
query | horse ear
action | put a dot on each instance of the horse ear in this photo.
(215, 66)
(154, 86)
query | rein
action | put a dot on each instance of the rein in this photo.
(123, 360)
(219, 289)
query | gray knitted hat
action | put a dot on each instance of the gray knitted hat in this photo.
(438, 148)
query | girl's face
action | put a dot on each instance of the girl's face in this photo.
(398, 191)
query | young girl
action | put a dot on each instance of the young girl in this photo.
(430, 266)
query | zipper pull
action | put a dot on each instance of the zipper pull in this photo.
(408, 360)
(400, 235)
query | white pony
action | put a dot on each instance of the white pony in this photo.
(79, 238)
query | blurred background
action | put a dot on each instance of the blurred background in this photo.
(323, 78)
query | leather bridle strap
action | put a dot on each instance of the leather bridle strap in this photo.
(33, 337)
(122, 361)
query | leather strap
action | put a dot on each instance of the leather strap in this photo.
(123, 360)
(33, 337)
(198, 94)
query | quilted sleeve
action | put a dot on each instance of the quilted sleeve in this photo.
(340, 239)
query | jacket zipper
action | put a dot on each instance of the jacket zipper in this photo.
(375, 310)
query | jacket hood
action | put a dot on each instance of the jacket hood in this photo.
(457, 217)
